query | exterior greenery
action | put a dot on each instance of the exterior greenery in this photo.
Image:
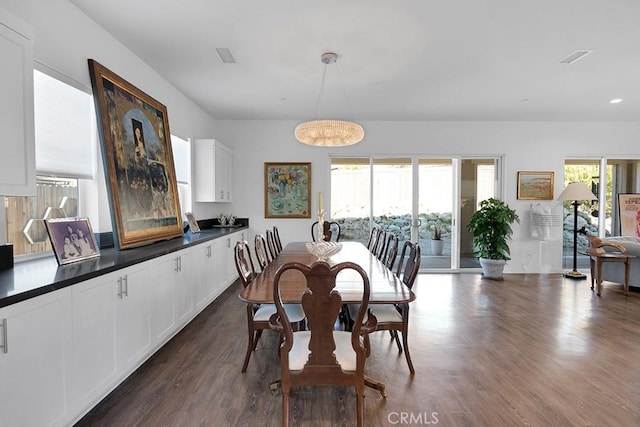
(491, 229)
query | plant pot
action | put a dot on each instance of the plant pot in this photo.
(436, 247)
(492, 268)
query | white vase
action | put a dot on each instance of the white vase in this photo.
(492, 268)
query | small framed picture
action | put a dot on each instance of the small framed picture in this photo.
(193, 224)
(72, 239)
(535, 185)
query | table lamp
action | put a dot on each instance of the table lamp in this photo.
(576, 191)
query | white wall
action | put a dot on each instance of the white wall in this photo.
(523, 145)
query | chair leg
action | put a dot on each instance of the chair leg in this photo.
(405, 344)
(250, 346)
(285, 406)
(360, 405)
(394, 334)
(258, 335)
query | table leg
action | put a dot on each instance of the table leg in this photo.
(599, 281)
(592, 264)
(626, 276)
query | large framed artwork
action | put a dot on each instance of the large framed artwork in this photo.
(138, 161)
(629, 214)
(72, 239)
(287, 190)
(535, 185)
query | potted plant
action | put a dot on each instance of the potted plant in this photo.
(491, 228)
(437, 244)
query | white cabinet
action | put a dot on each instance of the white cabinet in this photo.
(173, 307)
(111, 331)
(35, 340)
(206, 287)
(18, 161)
(213, 177)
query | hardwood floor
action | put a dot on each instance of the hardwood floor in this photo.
(535, 350)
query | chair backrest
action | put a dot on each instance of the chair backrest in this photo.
(381, 244)
(322, 304)
(271, 244)
(373, 238)
(262, 253)
(407, 272)
(391, 251)
(330, 231)
(244, 263)
(276, 236)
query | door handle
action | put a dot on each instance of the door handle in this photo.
(5, 343)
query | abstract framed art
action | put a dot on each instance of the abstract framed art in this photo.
(535, 185)
(72, 239)
(138, 161)
(629, 214)
(287, 190)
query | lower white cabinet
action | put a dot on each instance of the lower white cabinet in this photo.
(64, 351)
(34, 361)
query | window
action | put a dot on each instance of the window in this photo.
(182, 164)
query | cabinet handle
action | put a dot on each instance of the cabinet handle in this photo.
(228, 196)
(120, 292)
(228, 243)
(125, 280)
(209, 251)
(177, 269)
(221, 194)
(5, 344)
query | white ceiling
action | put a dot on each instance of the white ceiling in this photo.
(399, 59)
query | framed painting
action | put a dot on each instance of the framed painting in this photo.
(138, 161)
(193, 224)
(287, 190)
(535, 185)
(72, 239)
(629, 214)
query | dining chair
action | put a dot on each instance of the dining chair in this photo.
(391, 251)
(373, 239)
(395, 317)
(381, 244)
(258, 314)
(271, 244)
(330, 229)
(276, 236)
(262, 253)
(322, 355)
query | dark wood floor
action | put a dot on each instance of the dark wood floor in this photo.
(534, 350)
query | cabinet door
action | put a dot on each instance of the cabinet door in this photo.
(133, 329)
(175, 279)
(205, 282)
(17, 163)
(204, 176)
(223, 168)
(34, 360)
(162, 298)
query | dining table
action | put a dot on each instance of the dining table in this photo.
(385, 286)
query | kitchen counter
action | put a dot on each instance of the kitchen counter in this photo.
(30, 279)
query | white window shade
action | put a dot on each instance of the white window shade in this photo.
(181, 159)
(64, 129)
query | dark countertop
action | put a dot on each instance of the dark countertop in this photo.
(30, 279)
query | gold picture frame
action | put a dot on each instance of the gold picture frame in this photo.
(138, 161)
(535, 185)
(287, 190)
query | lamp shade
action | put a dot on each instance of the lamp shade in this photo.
(577, 191)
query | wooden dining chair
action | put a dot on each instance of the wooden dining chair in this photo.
(373, 239)
(330, 230)
(276, 237)
(391, 251)
(258, 314)
(381, 244)
(262, 253)
(395, 317)
(271, 244)
(322, 355)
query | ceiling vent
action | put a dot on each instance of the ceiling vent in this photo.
(225, 55)
(575, 56)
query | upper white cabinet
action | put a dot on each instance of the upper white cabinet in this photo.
(18, 161)
(213, 171)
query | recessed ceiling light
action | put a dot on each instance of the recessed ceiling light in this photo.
(615, 101)
(575, 56)
(225, 55)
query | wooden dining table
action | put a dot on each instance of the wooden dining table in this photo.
(386, 288)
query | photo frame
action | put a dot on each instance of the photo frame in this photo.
(533, 185)
(193, 224)
(138, 161)
(72, 239)
(629, 214)
(287, 190)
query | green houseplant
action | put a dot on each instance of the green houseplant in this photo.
(491, 228)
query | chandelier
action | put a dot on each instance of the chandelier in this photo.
(329, 133)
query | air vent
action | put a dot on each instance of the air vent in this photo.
(575, 56)
(225, 55)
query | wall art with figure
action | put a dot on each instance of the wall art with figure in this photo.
(287, 190)
(138, 161)
(629, 211)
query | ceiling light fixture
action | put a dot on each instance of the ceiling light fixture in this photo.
(615, 101)
(329, 133)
